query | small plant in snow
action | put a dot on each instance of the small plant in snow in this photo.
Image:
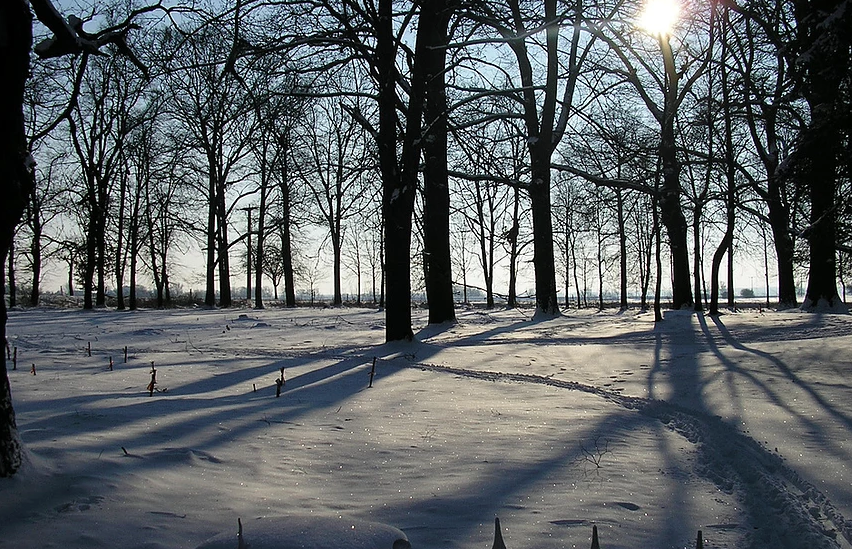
(594, 456)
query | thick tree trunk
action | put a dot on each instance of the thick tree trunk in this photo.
(779, 220)
(671, 210)
(398, 186)
(16, 182)
(824, 36)
(671, 216)
(543, 259)
(434, 19)
(821, 173)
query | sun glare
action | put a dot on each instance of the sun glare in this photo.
(659, 16)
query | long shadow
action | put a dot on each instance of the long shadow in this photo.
(788, 373)
(332, 384)
(731, 371)
(679, 370)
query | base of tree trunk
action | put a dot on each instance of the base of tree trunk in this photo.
(822, 305)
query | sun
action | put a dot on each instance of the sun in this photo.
(659, 17)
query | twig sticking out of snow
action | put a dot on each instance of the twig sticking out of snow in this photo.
(153, 383)
(498, 536)
(499, 544)
(279, 383)
(241, 543)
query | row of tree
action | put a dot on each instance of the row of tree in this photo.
(390, 121)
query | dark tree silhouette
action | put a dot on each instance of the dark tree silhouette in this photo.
(822, 67)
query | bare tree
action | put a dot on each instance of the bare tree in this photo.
(215, 112)
(540, 100)
(337, 166)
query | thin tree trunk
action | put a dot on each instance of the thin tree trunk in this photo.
(286, 224)
(13, 291)
(36, 256)
(512, 299)
(622, 248)
(210, 273)
(261, 240)
(225, 299)
(120, 255)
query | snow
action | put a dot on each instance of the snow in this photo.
(738, 426)
(316, 532)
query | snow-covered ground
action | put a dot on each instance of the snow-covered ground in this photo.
(738, 426)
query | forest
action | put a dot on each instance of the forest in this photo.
(422, 147)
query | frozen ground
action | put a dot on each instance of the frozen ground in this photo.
(738, 426)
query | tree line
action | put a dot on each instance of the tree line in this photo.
(422, 140)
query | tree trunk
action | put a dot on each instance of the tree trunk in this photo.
(35, 250)
(824, 34)
(132, 298)
(398, 186)
(779, 221)
(543, 258)
(71, 259)
(225, 299)
(13, 291)
(16, 184)
(261, 240)
(671, 211)
(133, 244)
(210, 272)
(434, 20)
(100, 224)
(120, 254)
(512, 297)
(91, 254)
(336, 251)
(285, 228)
(622, 248)
(696, 247)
